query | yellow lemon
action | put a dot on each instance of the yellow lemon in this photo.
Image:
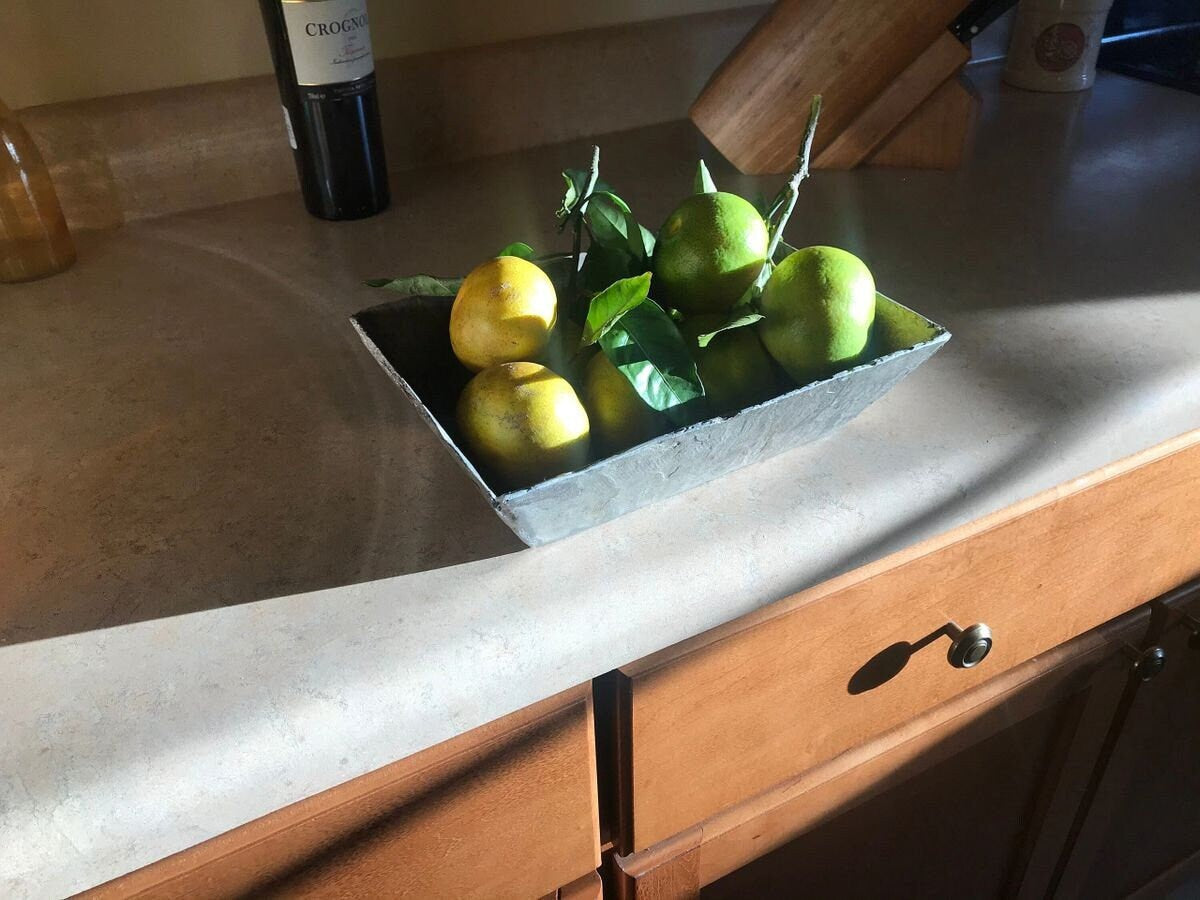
(620, 418)
(523, 422)
(503, 312)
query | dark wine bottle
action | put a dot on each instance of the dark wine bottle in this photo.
(322, 55)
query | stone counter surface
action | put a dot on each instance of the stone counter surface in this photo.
(189, 425)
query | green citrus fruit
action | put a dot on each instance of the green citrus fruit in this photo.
(503, 312)
(523, 422)
(819, 305)
(734, 367)
(619, 417)
(708, 253)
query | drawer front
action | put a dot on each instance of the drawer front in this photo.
(507, 810)
(725, 716)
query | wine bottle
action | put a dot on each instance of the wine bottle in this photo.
(326, 73)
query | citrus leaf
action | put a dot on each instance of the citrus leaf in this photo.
(607, 196)
(576, 181)
(608, 306)
(703, 183)
(418, 285)
(613, 225)
(647, 348)
(520, 250)
(605, 264)
(648, 240)
(739, 317)
(608, 218)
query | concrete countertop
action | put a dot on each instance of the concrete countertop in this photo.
(189, 425)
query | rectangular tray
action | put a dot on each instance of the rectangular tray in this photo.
(409, 337)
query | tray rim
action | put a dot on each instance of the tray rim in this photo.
(500, 501)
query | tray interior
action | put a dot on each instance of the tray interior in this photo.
(412, 335)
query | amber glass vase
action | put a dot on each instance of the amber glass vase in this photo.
(34, 240)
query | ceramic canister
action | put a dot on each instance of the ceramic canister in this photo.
(1055, 43)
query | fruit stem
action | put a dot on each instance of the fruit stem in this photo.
(791, 189)
(593, 177)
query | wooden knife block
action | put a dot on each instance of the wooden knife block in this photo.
(890, 75)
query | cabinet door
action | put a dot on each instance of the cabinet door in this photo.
(955, 830)
(1142, 831)
(971, 798)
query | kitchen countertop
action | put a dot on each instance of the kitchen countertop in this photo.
(190, 425)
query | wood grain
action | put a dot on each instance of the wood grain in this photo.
(662, 876)
(725, 716)
(895, 103)
(506, 810)
(1145, 818)
(755, 106)
(937, 133)
(589, 887)
(740, 834)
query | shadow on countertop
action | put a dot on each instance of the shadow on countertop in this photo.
(189, 420)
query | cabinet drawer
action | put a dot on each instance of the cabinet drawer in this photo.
(506, 810)
(721, 718)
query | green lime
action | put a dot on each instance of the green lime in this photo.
(734, 367)
(619, 417)
(709, 251)
(819, 305)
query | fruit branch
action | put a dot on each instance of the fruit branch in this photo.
(592, 177)
(787, 197)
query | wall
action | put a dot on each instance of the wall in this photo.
(56, 50)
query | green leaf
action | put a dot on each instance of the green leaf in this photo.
(608, 306)
(703, 183)
(576, 181)
(739, 317)
(418, 285)
(648, 349)
(608, 218)
(613, 225)
(648, 241)
(605, 264)
(519, 249)
(606, 195)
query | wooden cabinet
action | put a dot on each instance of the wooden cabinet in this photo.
(1074, 775)
(508, 810)
(827, 743)
(954, 830)
(732, 713)
(949, 803)
(1141, 828)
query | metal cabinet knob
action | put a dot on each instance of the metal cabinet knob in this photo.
(1148, 663)
(968, 646)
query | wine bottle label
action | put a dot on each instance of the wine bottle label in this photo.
(331, 40)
